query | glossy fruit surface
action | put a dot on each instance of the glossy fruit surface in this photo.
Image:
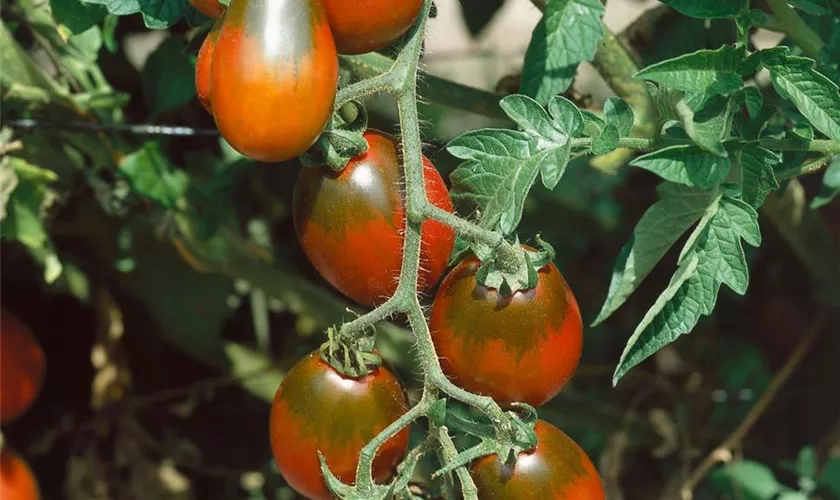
(318, 409)
(274, 77)
(203, 63)
(557, 469)
(351, 223)
(17, 482)
(22, 367)
(366, 25)
(210, 8)
(524, 347)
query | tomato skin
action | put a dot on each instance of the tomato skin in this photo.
(17, 480)
(22, 367)
(210, 8)
(351, 223)
(274, 77)
(318, 409)
(361, 26)
(522, 348)
(203, 64)
(557, 469)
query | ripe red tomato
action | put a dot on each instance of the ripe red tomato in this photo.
(318, 409)
(203, 63)
(351, 223)
(556, 469)
(366, 25)
(210, 8)
(16, 478)
(519, 348)
(22, 367)
(274, 77)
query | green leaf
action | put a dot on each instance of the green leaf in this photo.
(605, 142)
(708, 121)
(77, 16)
(830, 476)
(567, 117)
(151, 175)
(502, 165)
(478, 13)
(657, 231)
(157, 14)
(751, 480)
(754, 101)
(758, 175)
(720, 260)
(685, 164)
(8, 182)
(831, 185)
(567, 34)
(814, 7)
(814, 95)
(705, 71)
(168, 77)
(806, 462)
(708, 8)
(619, 113)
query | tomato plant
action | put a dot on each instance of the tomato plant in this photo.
(522, 347)
(256, 71)
(340, 216)
(367, 25)
(210, 8)
(16, 478)
(22, 367)
(172, 266)
(317, 409)
(556, 469)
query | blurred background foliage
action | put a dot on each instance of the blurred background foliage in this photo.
(161, 272)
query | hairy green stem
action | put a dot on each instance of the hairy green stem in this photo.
(468, 488)
(805, 169)
(793, 25)
(464, 227)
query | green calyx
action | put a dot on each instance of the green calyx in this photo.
(511, 267)
(356, 360)
(341, 140)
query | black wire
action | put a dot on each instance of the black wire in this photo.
(126, 128)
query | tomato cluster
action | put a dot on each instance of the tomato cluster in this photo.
(268, 70)
(22, 370)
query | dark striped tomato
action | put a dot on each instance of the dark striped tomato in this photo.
(210, 8)
(366, 25)
(203, 63)
(17, 482)
(274, 77)
(351, 223)
(557, 469)
(318, 409)
(519, 348)
(22, 367)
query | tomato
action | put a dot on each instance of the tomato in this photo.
(524, 347)
(22, 367)
(16, 478)
(202, 67)
(210, 8)
(556, 469)
(318, 409)
(351, 223)
(274, 77)
(366, 25)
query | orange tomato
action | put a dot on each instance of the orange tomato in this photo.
(366, 25)
(210, 8)
(202, 67)
(17, 482)
(22, 367)
(274, 77)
